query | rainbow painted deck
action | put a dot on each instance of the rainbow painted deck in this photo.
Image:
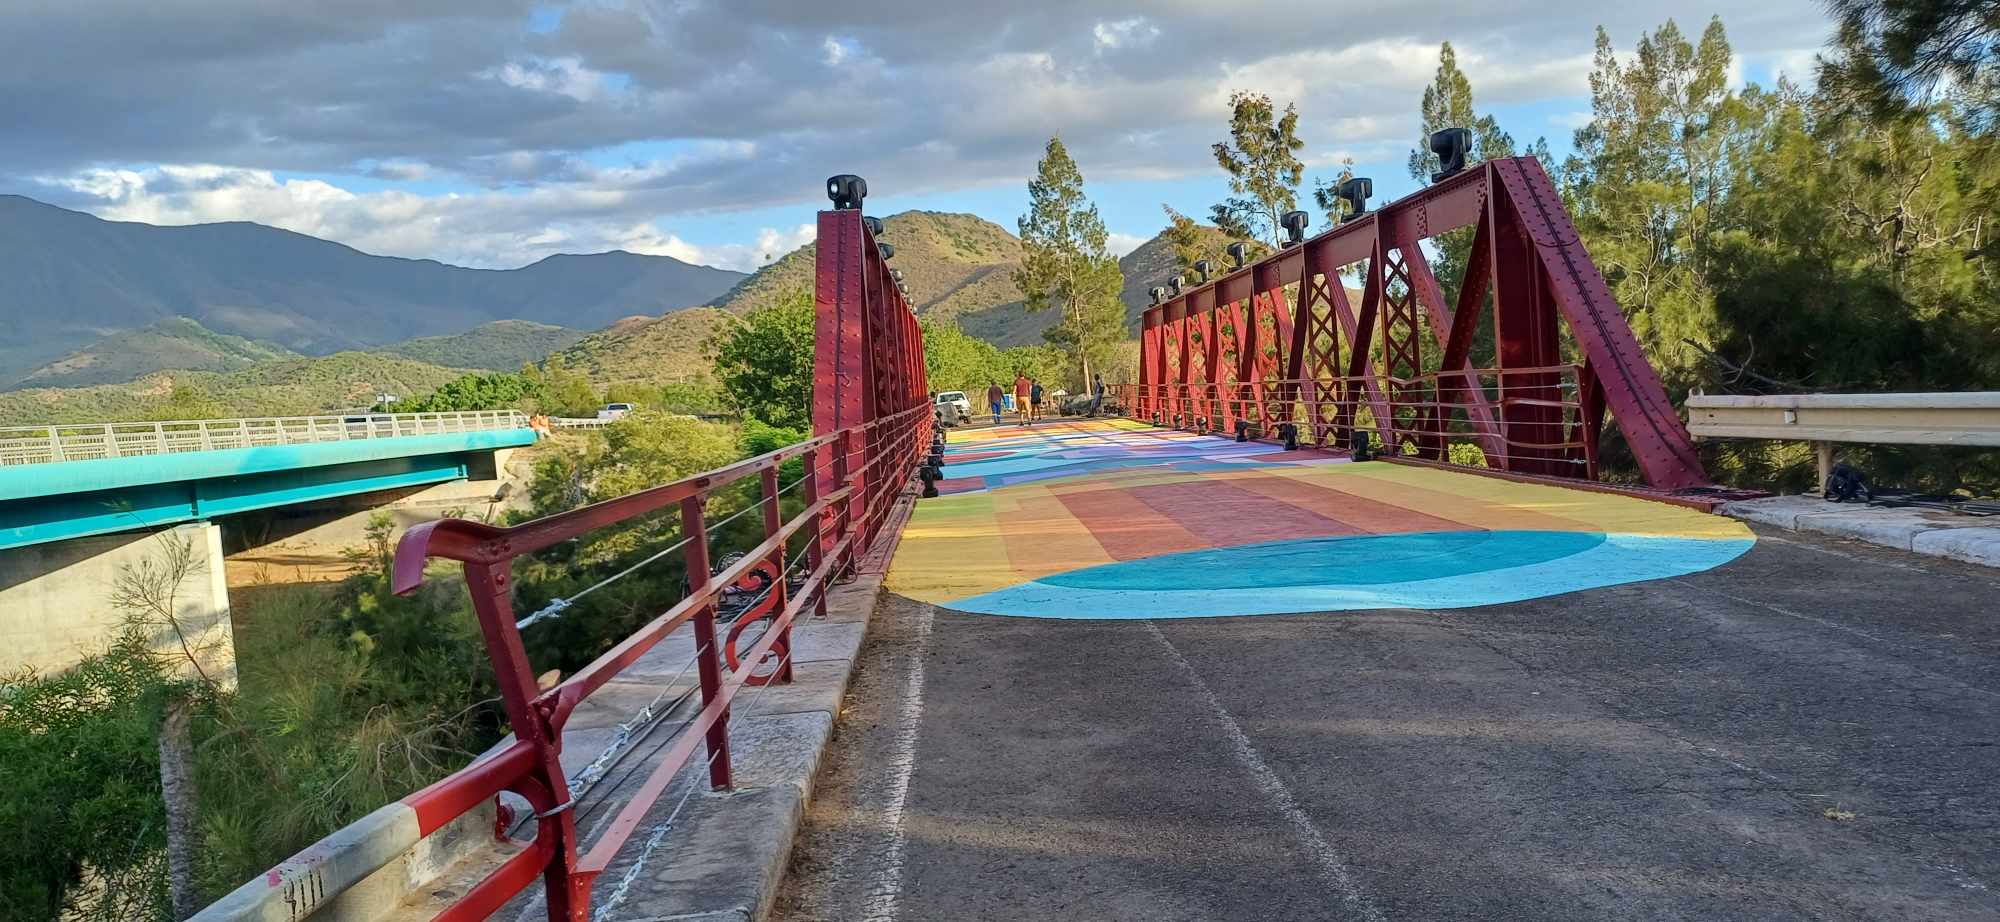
(1116, 519)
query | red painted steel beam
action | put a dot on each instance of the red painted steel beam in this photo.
(1559, 285)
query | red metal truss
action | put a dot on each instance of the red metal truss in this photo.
(1234, 348)
(869, 354)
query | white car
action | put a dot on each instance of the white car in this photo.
(954, 406)
(615, 411)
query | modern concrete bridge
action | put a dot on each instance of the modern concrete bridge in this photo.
(81, 504)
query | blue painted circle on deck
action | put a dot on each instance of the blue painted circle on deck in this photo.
(1427, 570)
(1346, 560)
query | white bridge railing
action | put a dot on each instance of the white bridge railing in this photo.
(47, 444)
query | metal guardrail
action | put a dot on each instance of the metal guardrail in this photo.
(51, 444)
(1886, 419)
(1969, 419)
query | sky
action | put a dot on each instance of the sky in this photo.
(492, 133)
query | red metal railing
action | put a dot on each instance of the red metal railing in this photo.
(1530, 420)
(869, 463)
(872, 419)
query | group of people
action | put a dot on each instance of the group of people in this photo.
(1028, 398)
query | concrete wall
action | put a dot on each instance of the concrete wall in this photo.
(56, 600)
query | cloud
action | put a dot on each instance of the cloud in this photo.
(521, 125)
(1121, 244)
(1124, 33)
(495, 229)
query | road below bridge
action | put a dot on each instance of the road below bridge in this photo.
(1810, 730)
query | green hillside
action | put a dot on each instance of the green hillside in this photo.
(287, 387)
(175, 342)
(649, 351)
(503, 345)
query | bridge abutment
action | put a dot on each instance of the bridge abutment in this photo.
(64, 601)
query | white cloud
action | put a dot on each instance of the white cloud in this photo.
(1121, 244)
(496, 229)
(835, 52)
(562, 76)
(1124, 33)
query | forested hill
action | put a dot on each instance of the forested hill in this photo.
(75, 279)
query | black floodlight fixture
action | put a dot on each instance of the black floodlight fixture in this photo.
(874, 224)
(1159, 294)
(846, 190)
(1294, 223)
(888, 252)
(1239, 253)
(1175, 285)
(1355, 192)
(1203, 266)
(1451, 145)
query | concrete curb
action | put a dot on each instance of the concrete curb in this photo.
(1914, 530)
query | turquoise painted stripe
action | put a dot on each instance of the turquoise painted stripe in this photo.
(1330, 574)
(35, 480)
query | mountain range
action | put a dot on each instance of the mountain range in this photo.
(68, 280)
(281, 323)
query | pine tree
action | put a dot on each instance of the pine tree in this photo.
(1263, 165)
(1065, 264)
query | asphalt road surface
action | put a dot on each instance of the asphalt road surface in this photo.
(1809, 732)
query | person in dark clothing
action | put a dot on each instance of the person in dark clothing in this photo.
(1097, 396)
(1035, 400)
(995, 399)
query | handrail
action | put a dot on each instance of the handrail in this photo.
(92, 441)
(872, 461)
(1533, 420)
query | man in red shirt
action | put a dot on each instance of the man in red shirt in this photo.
(1022, 388)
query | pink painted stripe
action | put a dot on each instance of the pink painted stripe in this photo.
(1222, 514)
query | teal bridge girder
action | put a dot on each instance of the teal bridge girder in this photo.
(42, 503)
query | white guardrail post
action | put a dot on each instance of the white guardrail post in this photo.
(50, 444)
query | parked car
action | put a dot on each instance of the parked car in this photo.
(615, 411)
(953, 406)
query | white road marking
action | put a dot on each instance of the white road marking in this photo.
(879, 905)
(1330, 864)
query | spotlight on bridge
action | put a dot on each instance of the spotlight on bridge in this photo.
(1239, 253)
(874, 225)
(1159, 294)
(1450, 145)
(1175, 285)
(896, 274)
(1203, 266)
(1294, 223)
(846, 190)
(888, 252)
(1355, 192)
(903, 287)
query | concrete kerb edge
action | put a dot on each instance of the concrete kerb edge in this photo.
(1883, 527)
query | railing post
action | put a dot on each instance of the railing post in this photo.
(843, 523)
(488, 585)
(707, 655)
(772, 523)
(814, 458)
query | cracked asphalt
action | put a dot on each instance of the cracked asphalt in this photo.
(1809, 732)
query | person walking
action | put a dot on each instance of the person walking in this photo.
(1097, 397)
(1035, 399)
(1023, 389)
(995, 398)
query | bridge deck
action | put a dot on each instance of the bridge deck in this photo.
(1461, 698)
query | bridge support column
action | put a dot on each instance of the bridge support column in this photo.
(59, 602)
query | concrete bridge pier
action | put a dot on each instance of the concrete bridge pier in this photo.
(64, 601)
